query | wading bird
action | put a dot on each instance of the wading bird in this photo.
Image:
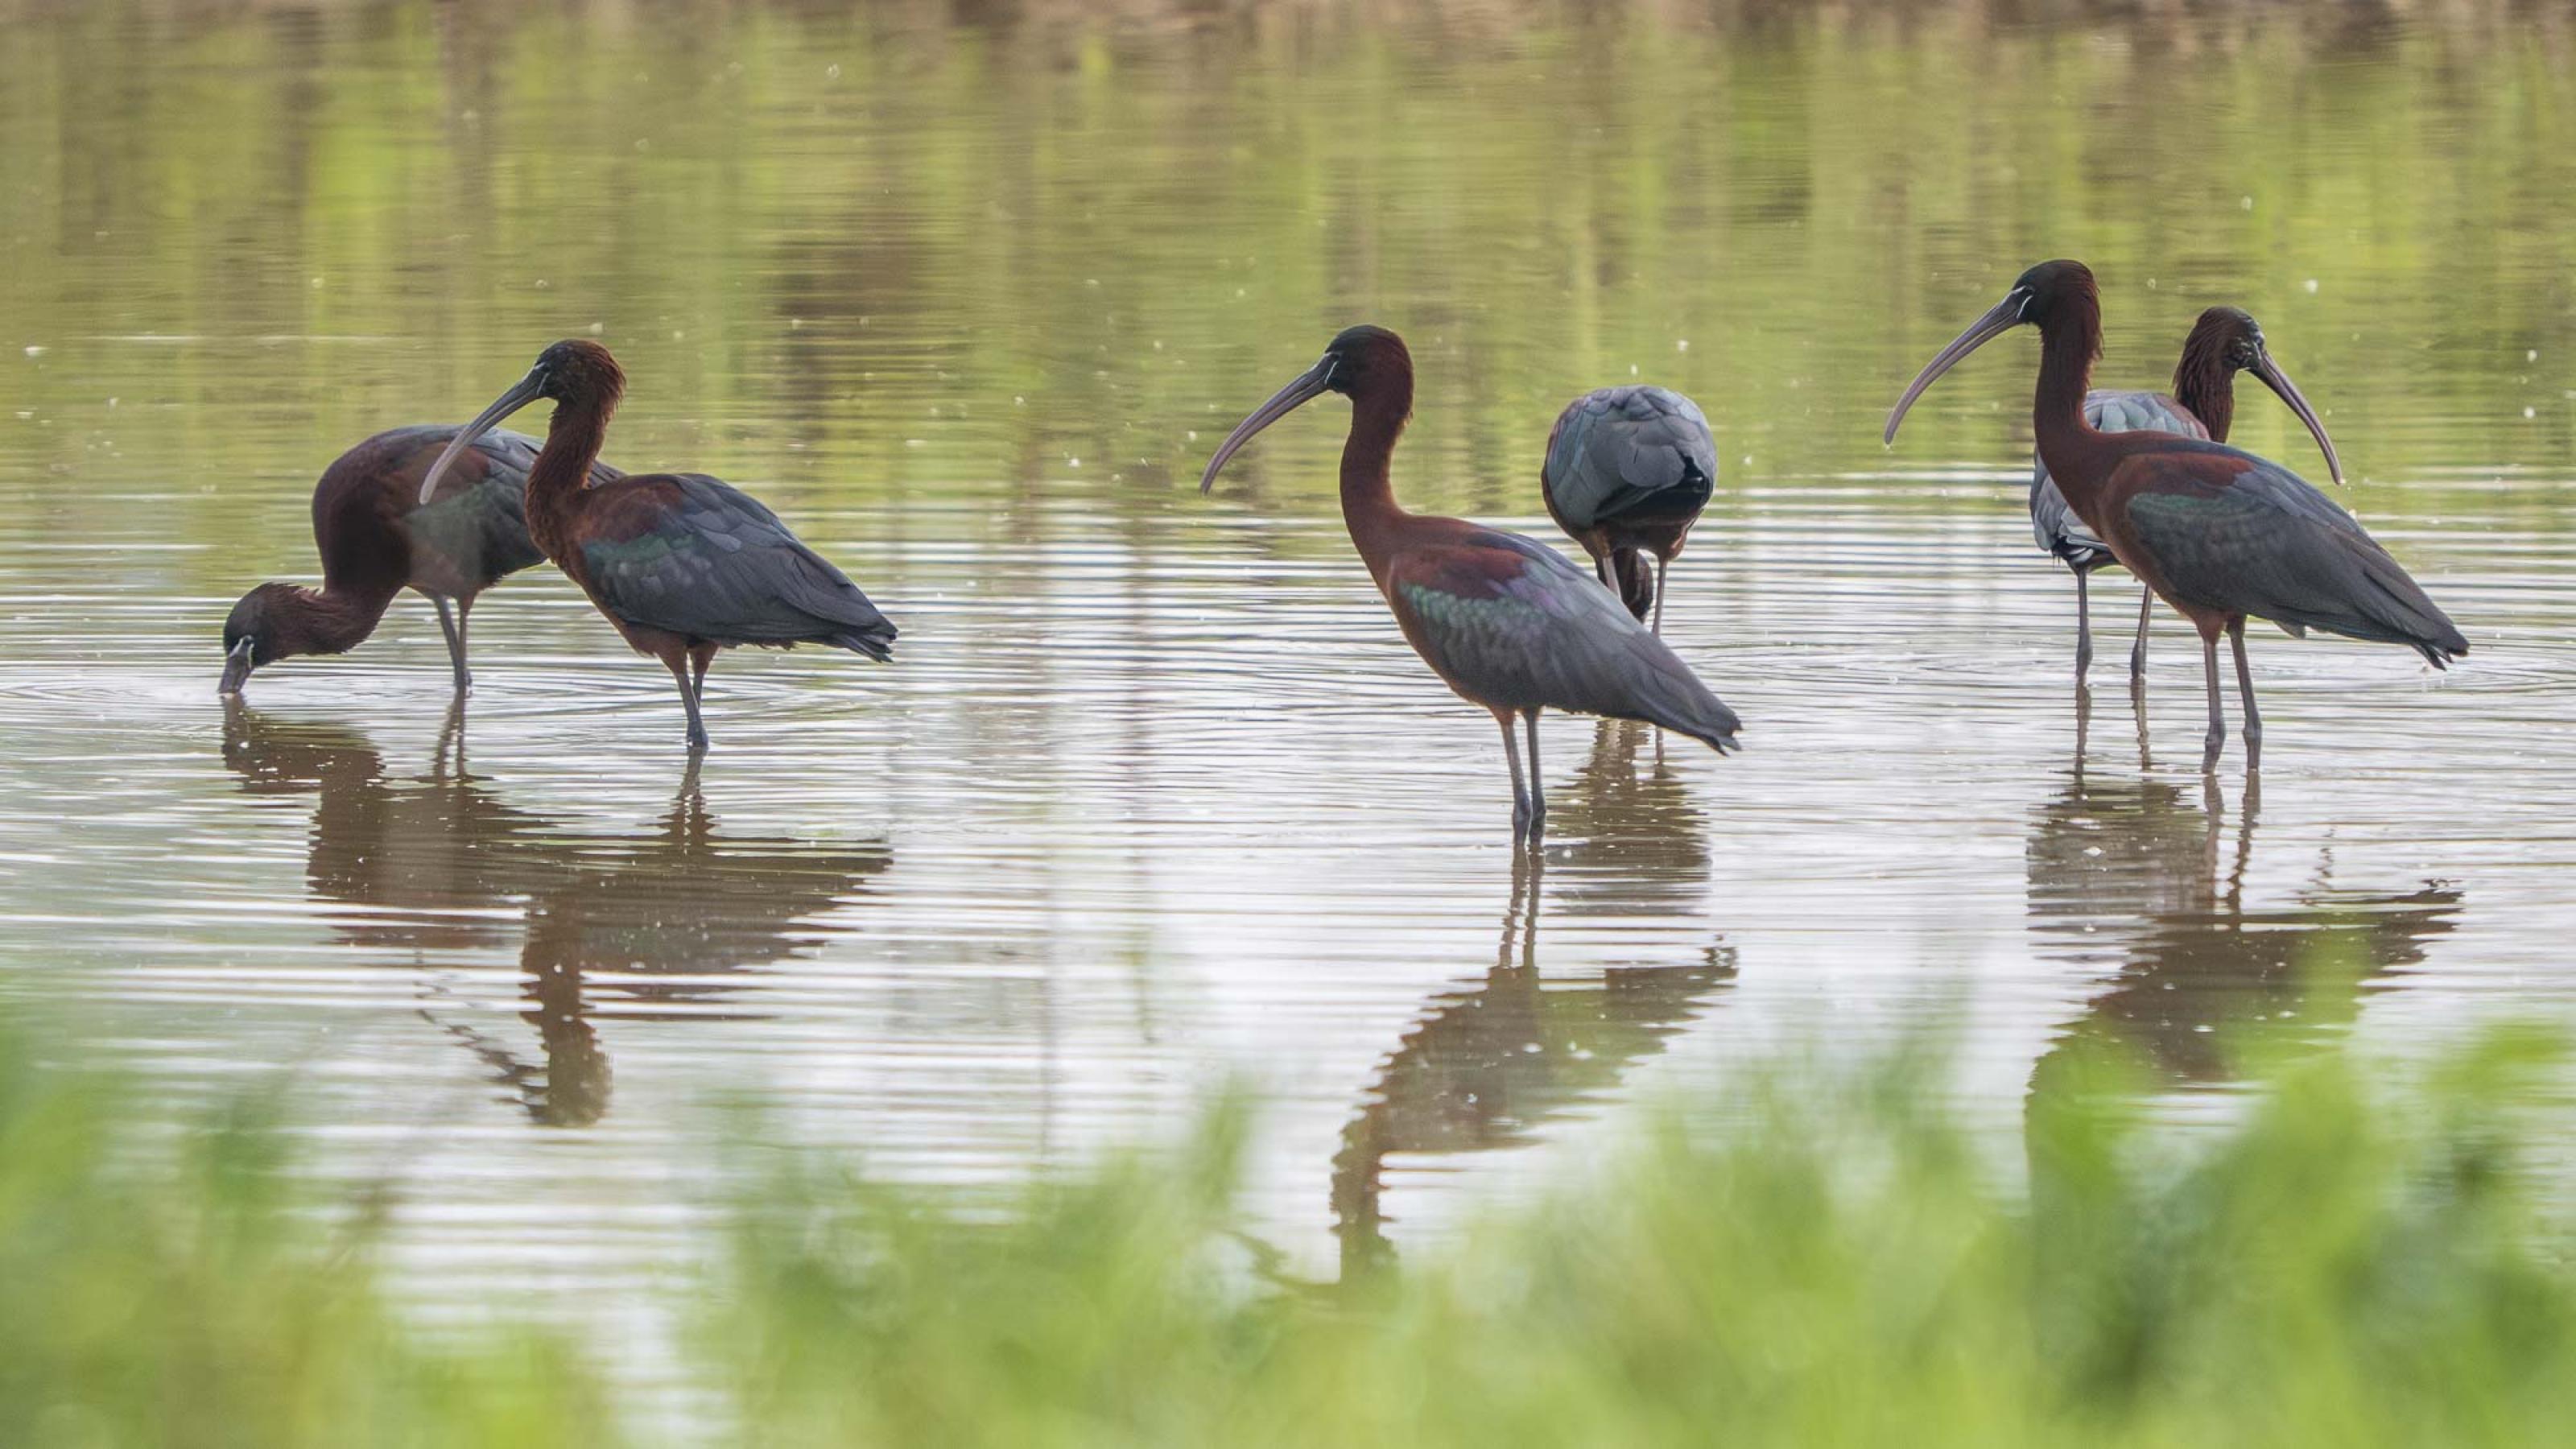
(378, 534)
(2215, 531)
(1628, 470)
(1509, 623)
(682, 564)
(2202, 404)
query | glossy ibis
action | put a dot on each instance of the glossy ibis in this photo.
(2215, 531)
(379, 534)
(682, 564)
(1628, 470)
(2202, 404)
(1509, 623)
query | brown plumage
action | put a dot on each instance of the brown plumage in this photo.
(681, 564)
(377, 537)
(2217, 532)
(1508, 623)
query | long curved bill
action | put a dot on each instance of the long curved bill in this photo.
(1999, 319)
(1308, 385)
(236, 669)
(523, 392)
(2279, 382)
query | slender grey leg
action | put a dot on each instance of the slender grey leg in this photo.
(1663, 581)
(1520, 792)
(2138, 651)
(1538, 781)
(689, 700)
(2217, 737)
(453, 626)
(2083, 622)
(2245, 693)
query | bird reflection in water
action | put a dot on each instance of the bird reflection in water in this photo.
(440, 863)
(1487, 1062)
(2136, 877)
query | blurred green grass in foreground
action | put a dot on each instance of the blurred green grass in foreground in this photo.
(2353, 1258)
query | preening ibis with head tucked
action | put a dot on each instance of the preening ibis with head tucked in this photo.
(1628, 470)
(1509, 623)
(2202, 404)
(2215, 531)
(379, 534)
(682, 564)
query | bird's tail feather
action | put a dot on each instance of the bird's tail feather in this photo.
(2396, 610)
(1673, 697)
(879, 647)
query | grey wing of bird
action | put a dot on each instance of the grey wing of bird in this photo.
(1622, 448)
(2269, 544)
(1552, 637)
(696, 556)
(2053, 522)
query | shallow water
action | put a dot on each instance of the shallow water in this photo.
(1156, 798)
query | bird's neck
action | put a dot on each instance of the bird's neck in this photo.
(331, 620)
(562, 468)
(1369, 508)
(2072, 449)
(2206, 386)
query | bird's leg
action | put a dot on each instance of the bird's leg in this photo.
(2217, 737)
(453, 626)
(2083, 622)
(2138, 651)
(1538, 782)
(1520, 792)
(2245, 693)
(452, 730)
(1663, 581)
(678, 664)
(700, 656)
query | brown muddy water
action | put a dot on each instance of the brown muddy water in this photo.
(1156, 799)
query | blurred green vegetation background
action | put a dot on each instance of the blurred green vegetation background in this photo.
(1017, 258)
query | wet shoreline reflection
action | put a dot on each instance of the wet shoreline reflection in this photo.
(2135, 878)
(1487, 1063)
(439, 863)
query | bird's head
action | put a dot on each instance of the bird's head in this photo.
(2050, 296)
(574, 372)
(2227, 340)
(1363, 362)
(255, 634)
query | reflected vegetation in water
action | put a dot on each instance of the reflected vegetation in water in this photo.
(1161, 798)
(1484, 1066)
(439, 863)
(2143, 878)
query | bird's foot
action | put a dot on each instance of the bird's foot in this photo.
(2213, 745)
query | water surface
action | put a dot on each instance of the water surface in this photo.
(1156, 798)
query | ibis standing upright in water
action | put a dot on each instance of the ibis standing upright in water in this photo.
(682, 564)
(1628, 470)
(2202, 404)
(379, 534)
(2218, 533)
(1509, 623)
